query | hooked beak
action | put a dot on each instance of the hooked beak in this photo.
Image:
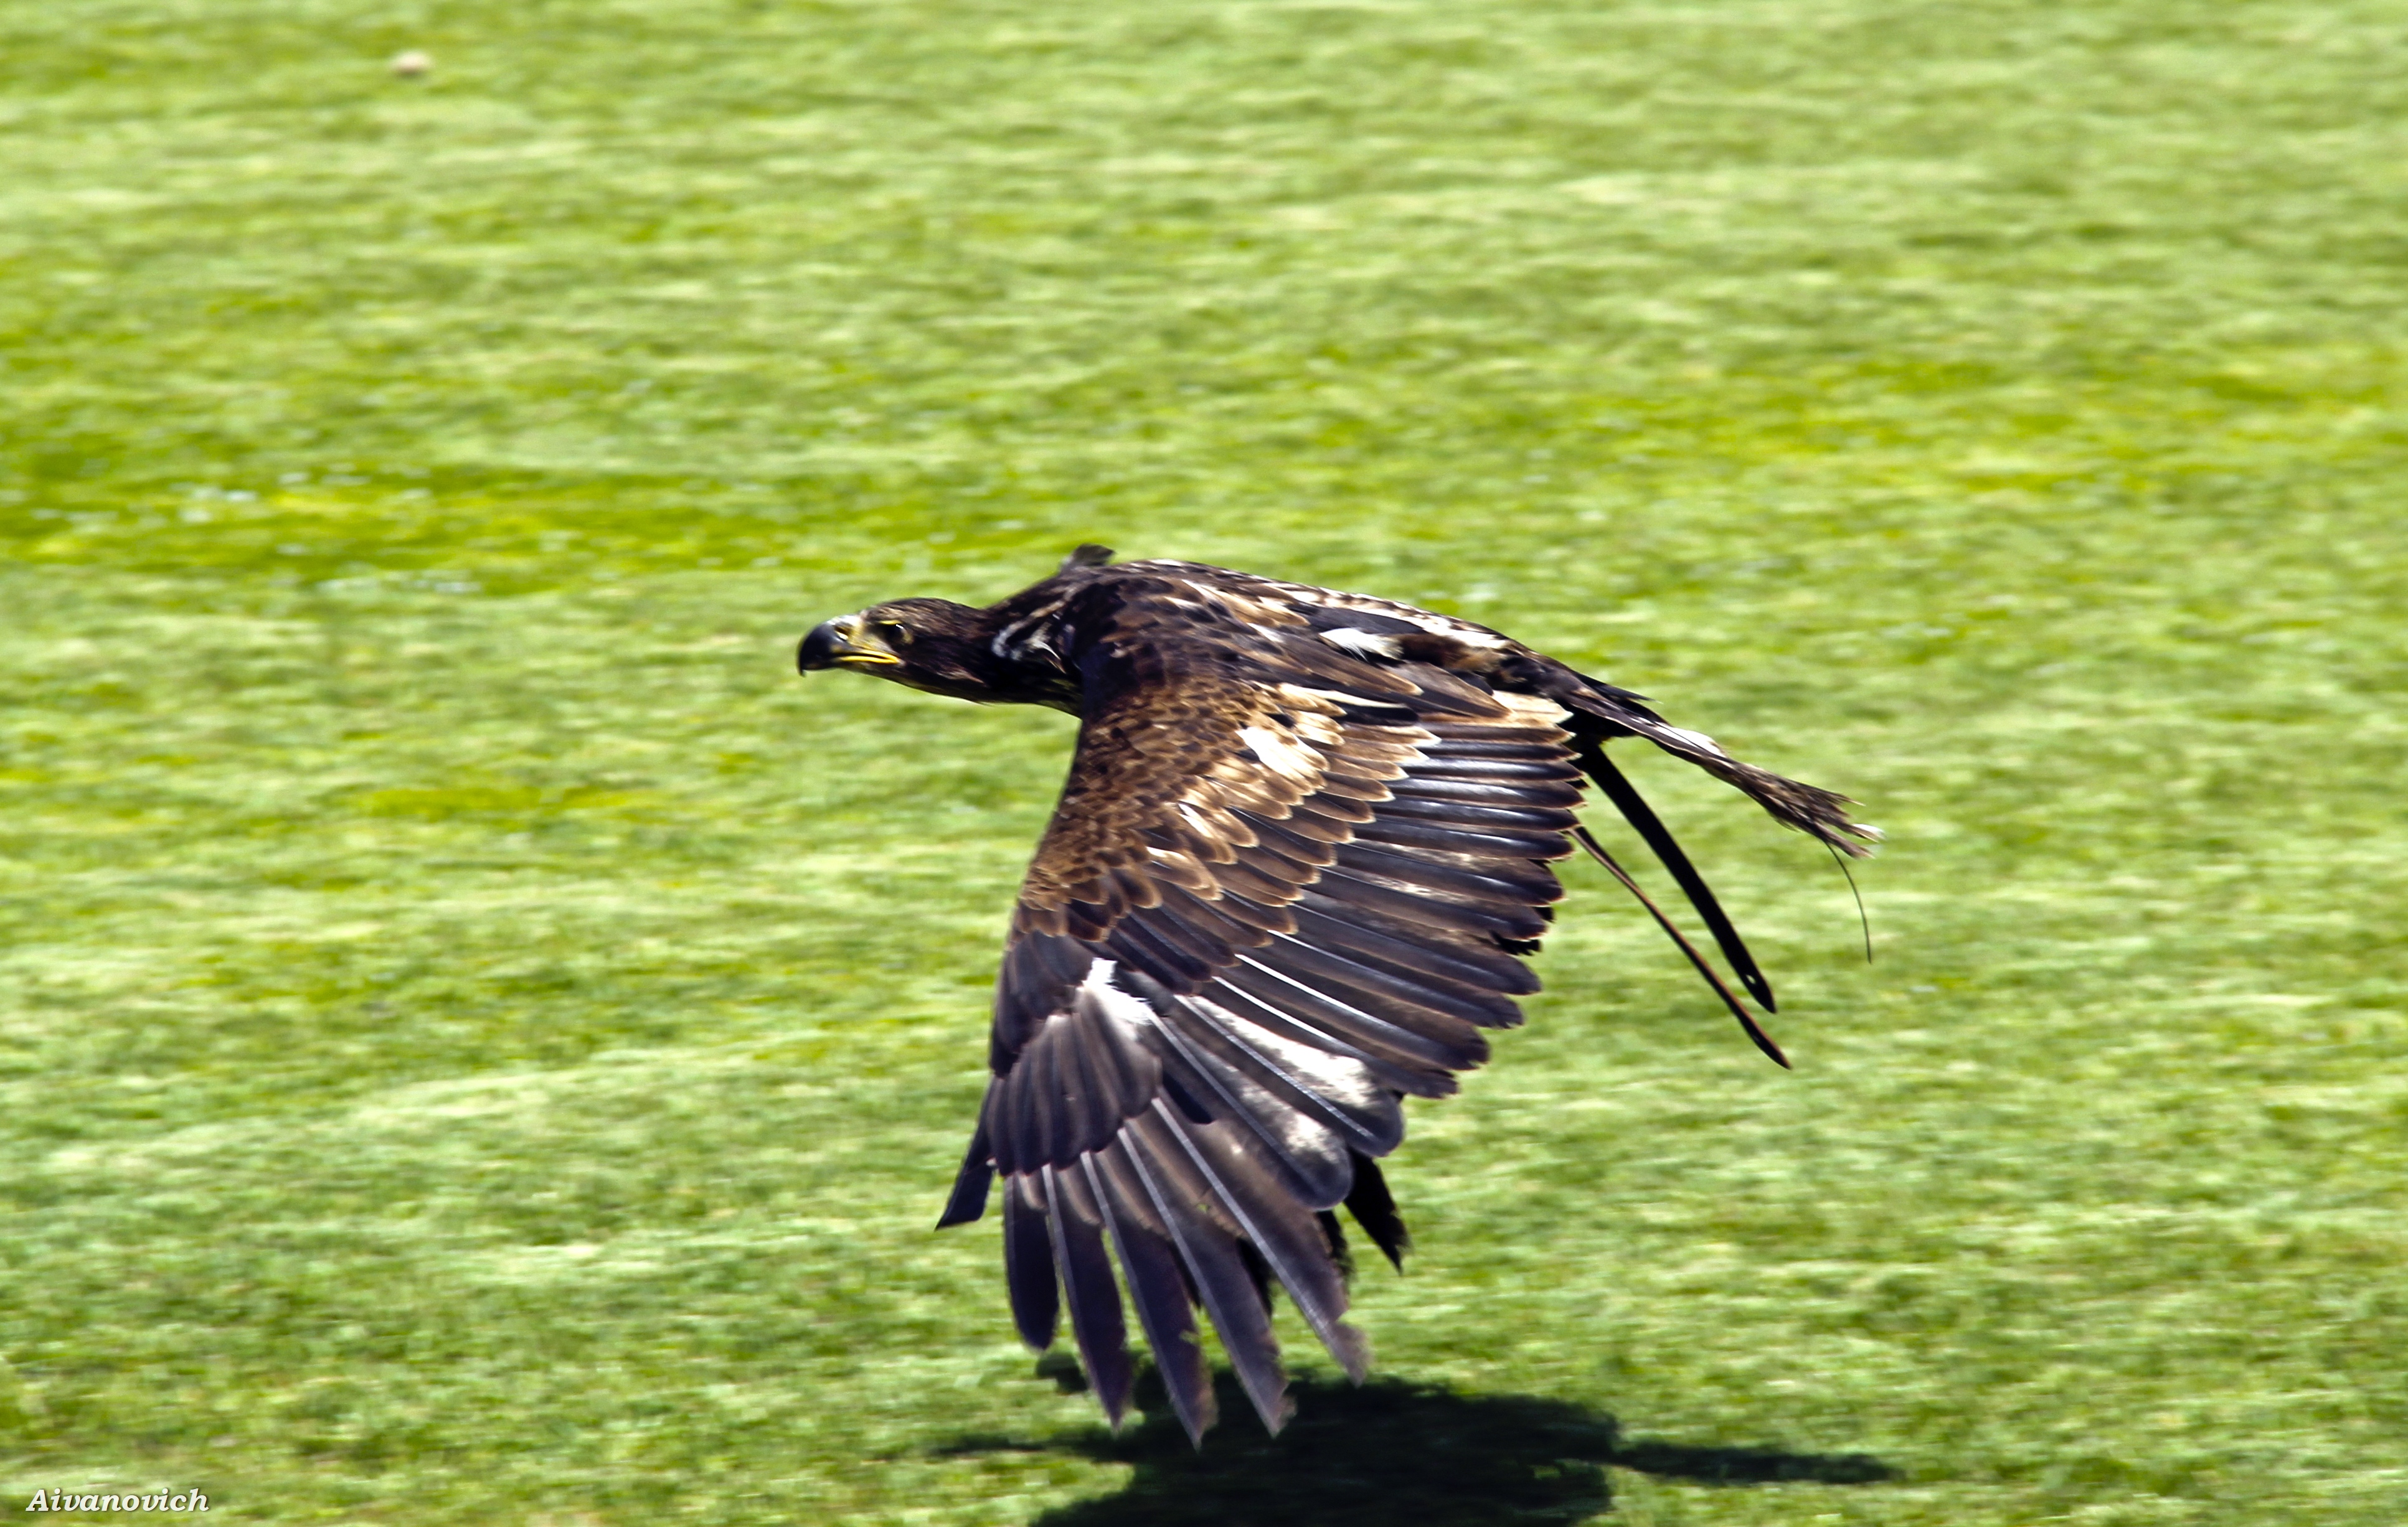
(842, 643)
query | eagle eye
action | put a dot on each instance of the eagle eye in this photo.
(895, 632)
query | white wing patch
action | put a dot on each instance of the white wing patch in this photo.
(1280, 756)
(1340, 1077)
(1367, 644)
(1304, 698)
(1115, 1004)
(1697, 740)
(1531, 709)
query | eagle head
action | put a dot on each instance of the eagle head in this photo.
(928, 644)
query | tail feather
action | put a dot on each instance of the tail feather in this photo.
(1730, 999)
(1636, 811)
(1604, 711)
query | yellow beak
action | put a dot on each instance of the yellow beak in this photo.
(843, 643)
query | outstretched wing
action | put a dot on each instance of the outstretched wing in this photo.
(1286, 887)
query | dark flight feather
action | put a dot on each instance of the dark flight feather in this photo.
(1088, 1288)
(1641, 817)
(1306, 838)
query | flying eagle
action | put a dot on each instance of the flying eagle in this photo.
(1305, 839)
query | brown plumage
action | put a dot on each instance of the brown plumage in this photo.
(1305, 838)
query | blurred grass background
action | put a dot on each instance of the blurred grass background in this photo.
(481, 1040)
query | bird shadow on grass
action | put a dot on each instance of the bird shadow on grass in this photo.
(1393, 1452)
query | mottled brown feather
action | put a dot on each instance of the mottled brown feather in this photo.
(1304, 838)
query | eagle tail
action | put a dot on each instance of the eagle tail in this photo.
(1730, 999)
(1644, 819)
(1602, 711)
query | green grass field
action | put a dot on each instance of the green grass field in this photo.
(482, 1041)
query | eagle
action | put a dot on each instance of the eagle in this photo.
(1303, 848)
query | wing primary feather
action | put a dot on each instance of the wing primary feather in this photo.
(1262, 878)
(1416, 921)
(1076, 1223)
(1370, 1116)
(1156, 1286)
(1514, 881)
(1636, 811)
(1547, 819)
(1458, 765)
(970, 1185)
(1062, 958)
(1335, 780)
(1512, 919)
(1545, 792)
(1730, 999)
(1028, 1268)
(1100, 1072)
(1480, 734)
(1052, 1126)
(1375, 1209)
(1210, 1256)
(1327, 818)
(1296, 1255)
(1143, 943)
(1496, 744)
(1215, 920)
(1263, 917)
(1167, 924)
(1285, 839)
